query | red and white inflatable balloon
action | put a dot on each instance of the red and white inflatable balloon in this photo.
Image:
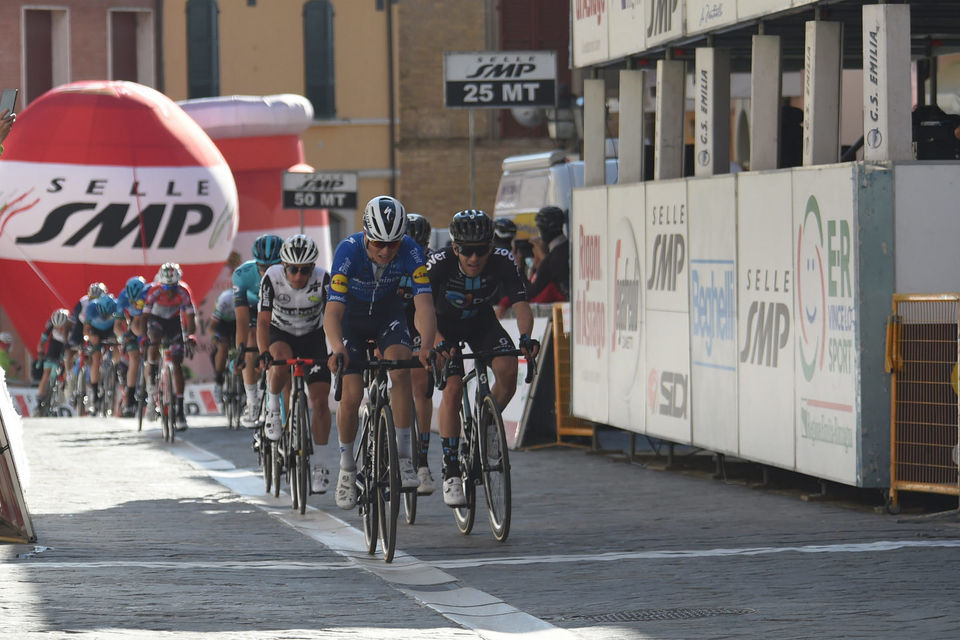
(100, 181)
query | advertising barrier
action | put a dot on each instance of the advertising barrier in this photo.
(15, 524)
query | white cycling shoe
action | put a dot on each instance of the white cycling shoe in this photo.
(408, 477)
(427, 484)
(346, 494)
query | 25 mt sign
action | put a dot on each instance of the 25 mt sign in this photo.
(500, 79)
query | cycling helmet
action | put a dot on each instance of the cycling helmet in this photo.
(472, 226)
(418, 228)
(6, 337)
(504, 231)
(169, 273)
(59, 317)
(134, 287)
(266, 249)
(384, 219)
(550, 221)
(106, 306)
(299, 249)
(96, 290)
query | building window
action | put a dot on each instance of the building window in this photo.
(46, 38)
(203, 49)
(131, 41)
(318, 57)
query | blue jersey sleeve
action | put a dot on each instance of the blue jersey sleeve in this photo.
(416, 266)
(343, 265)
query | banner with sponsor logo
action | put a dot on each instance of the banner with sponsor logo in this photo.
(765, 310)
(825, 322)
(627, 28)
(663, 21)
(755, 8)
(667, 310)
(590, 38)
(704, 15)
(713, 311)
(625, 263)
(589, 348)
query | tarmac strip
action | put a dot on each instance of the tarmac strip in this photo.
(468, 607)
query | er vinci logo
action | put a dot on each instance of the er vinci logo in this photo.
(811, 291)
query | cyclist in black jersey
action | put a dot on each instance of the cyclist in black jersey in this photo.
(467, 280)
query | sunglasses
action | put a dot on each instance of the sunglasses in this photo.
(473, 249)
(294, 270)
(384, 245)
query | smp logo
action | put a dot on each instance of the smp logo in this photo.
(660, 19)
(668, 393)
(667, 262)
(811, 291)
(768, 328)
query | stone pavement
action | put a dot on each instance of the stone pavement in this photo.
(140, 539)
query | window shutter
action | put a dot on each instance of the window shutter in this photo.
(318, 59)
(203, 49)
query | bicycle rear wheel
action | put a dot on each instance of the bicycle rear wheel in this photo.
(366, 481)
(464, 516)
(301, 450)
(388, 481)
(227, 397)
(410, 496)
(495, 465)
(80, 395)
(276, 463)
(140, 395)
(265, 458)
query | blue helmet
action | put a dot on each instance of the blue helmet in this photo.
(106, 306)
(135, 287)
(266, 249)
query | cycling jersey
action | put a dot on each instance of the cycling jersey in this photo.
(167, 303)
(456, 295)
(130, 308)
(79, 313)
(553, 270)
(294, 311)
(56, 333)
(224, 309)
(246, 284)
(94, 318)
(367, 288)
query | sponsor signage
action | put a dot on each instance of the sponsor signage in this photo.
(500, 79)
(589, 307)
(626, 295)
(886, 82)
(765, 309)
(319, 190)
(713, 311)
(704, 15)
(826, 322)
(591, 43)
(663, 21)
(627, 28)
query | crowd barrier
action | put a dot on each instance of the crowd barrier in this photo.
(15, 524)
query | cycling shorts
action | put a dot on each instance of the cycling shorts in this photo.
(312, 345)
(386, 330)
(53, 352)
(482, 333)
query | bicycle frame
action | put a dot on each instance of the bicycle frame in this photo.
(296, 443)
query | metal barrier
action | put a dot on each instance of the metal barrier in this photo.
(567, 424)
(921, 356)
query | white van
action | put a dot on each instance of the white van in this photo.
(533, 181)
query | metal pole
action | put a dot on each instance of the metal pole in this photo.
(301, 222)
(390, 98)
(473, 169)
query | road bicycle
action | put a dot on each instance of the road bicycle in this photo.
(234, 396)
(378, 471)
(78, 399)
(296, 441)
(106, 403)
(140, 395)
(483, 448)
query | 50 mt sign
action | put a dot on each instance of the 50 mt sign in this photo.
(319, 190)
(500, 79)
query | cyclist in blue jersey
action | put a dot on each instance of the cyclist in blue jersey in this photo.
(98, 329)
(363, 305)
(77, 320)
(246, 292)
(129, 323)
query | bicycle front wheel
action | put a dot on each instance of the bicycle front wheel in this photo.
(495, 466)
(140, 395)
(302, 450)
(464, 516)
(388, 481)
(366, 480)
(410, 496)
(169, 405)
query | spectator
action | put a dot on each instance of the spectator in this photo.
(550, 280)
(11, 367)
(6, 123)
(504, 231)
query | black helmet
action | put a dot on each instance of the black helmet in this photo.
(550, 221)
(418, 228)
(471, 226)
(504, 231)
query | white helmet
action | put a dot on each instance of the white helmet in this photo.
(299, 249)
(5, 336)
(170, 273)
(385, 219)
(59, 317)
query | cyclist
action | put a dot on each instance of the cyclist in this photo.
(50, 350)
(171, 320)
(504, 231)
(363, 305)
(77, 320)
(223, 332)
(130, 324)
(246, 290)
(418, 228)
(466, 280)
(98, 330)
(290, 324)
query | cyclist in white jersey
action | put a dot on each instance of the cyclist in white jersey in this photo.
(293, 296)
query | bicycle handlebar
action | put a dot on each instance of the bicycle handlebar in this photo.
(486, 357)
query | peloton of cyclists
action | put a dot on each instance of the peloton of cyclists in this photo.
(130, 324)
(467, 279)
(171, 321)
(293, 295)
(246, 292)
(363, 304)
